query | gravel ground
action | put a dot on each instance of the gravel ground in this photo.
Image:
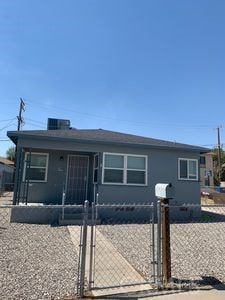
(40, 261)
(36, 261)
(197, 250)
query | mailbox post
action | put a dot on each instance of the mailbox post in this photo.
(164, 192)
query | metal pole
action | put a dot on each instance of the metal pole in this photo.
(219, 153)
(153, 243)
(159, 269)
(83, 249)
(91, 247)
(96, 208)
(27, 179)
(166, 255)
(63, 202)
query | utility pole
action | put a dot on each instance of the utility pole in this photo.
(19, 117)
(219, 152)
(17, 163)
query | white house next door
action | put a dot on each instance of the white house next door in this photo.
(77, 179)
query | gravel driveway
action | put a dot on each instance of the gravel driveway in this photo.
(36, 261)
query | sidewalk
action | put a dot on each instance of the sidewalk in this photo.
(213, 294)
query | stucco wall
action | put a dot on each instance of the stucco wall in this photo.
(162, 167)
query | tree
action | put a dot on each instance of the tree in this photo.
(219, 173)
(10, 153)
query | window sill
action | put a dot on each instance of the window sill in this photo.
(189, 180)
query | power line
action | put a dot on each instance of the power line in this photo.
(35, 125)
(7, 125)
(7, 120)
(144, 123)
(35, 121)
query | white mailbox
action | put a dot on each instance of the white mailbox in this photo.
(164, 190)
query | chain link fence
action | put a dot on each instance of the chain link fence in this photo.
(37, 261)
(197, 243)
(113, 246)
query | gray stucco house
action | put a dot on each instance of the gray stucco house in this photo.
(121, 168)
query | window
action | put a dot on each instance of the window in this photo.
(95, 174)
(124, 169)
(202, 160)
(188, 169)
(35, 167)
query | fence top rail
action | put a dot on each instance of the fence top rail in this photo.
(125, 205)
(193, 205)
(42, 206)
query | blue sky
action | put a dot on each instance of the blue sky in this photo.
(154, 68)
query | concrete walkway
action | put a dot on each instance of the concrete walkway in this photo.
(111, 268)
(213, 294)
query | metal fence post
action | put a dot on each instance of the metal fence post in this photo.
(91, 246)
(166, 254)
(153, 243)
(83, 249)
(159, 251)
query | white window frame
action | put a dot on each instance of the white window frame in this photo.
(188, 174)
(125, 169)
(46, 167)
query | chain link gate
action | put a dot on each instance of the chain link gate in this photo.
(118, 252)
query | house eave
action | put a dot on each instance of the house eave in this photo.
(14, 137)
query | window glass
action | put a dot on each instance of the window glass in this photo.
(35, 167)
(134, 162)
(136, 177)
(35, 174)
(192, 167)
(37, 160)
(124, 169)
(202, 160)
(183, 169)
(188, 169)
(114, 161)
(113, 176)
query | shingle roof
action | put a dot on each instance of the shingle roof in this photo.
(101, 136)
(6, 161)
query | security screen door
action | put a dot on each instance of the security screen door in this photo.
(77, 179)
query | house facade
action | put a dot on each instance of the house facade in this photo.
(206, 170)
(6, 175)
(120, 168)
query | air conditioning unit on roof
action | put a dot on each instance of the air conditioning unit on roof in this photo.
(56, 124)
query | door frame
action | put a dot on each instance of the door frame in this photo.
(67, 172)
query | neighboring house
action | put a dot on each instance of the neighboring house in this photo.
(121, 168)
(6, 174)
(206, 169)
